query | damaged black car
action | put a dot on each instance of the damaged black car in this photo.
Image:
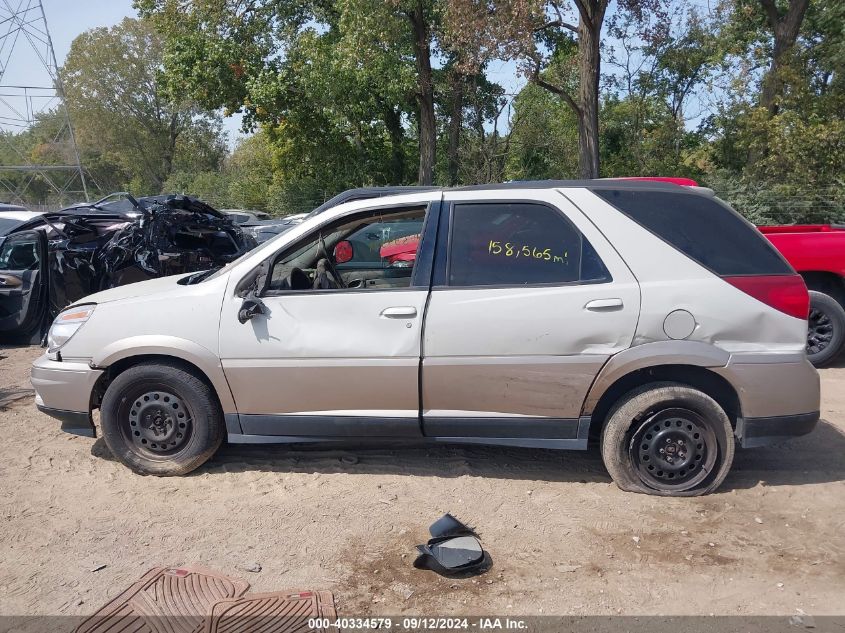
(50, 260)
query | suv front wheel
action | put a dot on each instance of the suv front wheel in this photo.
(667, 439)
(161, 419)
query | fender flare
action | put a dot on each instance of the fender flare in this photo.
(693, 353)
(146, 345)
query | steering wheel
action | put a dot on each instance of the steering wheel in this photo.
(330, 264)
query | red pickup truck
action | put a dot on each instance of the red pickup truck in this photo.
(817, 252)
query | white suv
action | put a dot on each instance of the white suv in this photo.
(646, 316)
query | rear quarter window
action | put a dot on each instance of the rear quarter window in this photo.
(703, 228)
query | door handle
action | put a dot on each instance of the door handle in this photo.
(604, 304)
(399, 312)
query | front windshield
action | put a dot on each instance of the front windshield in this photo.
(7, 225)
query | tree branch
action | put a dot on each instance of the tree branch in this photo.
(560, 23)
(555, 90)
(582, 9)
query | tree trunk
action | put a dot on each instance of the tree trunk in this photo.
(589, 73)
(170, 150)
(425, 94)
(456, 122)
(393, 123)
(785, 29)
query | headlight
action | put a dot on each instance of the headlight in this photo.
(66, 325)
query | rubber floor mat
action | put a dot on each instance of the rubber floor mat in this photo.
(165, 600)
(277, 612)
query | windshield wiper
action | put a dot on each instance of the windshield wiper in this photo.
(198, 277)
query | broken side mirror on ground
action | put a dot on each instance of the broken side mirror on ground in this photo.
(454, 549)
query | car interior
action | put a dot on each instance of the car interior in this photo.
(20, 282)
(350, 255)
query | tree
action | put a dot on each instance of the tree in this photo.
(124, 115)
(233, 56)
(653, 81)
(543, 137)
(544, 35)
(785, 26)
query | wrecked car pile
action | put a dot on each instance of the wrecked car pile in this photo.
(48, 261)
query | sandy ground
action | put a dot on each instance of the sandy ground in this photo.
(563, 538)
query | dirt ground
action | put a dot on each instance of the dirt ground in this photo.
(76, 526)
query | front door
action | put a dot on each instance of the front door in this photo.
(528, 303)
(337, 351)
(23, 283)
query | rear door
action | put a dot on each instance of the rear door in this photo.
(528, 302)
(23, 267)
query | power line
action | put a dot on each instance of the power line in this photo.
(25, 43)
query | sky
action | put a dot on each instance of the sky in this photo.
(68, 18)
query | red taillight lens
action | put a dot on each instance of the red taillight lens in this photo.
(786, 293)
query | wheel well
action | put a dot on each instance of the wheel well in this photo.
(120, 366)
(697, 377)
(828, 283)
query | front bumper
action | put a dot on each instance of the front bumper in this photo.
(63, 390)
(754, 432)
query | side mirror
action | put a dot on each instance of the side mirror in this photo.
(453, 549)
(250, 308)
(253, 282)
(343, 252)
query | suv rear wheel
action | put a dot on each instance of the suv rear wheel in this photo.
(667, 439)
(159, 419)
(826, 329)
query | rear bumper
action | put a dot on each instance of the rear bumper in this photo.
(754, 432)
(63, 391)
(773, 385)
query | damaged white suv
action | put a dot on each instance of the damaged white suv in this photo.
(645, 316)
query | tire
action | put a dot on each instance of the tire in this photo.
(826, 329)
(160, 419)
(699, 441)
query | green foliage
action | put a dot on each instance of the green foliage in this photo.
(331, 90)
(544, 137)
(122, 113)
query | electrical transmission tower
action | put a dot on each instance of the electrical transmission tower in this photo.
(39, 158)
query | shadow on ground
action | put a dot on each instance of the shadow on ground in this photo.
(8, 395)
(815, 458)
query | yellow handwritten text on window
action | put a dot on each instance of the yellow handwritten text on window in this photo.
(508, 249)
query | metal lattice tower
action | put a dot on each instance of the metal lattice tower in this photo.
(31, 92)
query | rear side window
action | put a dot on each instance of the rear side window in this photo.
(518, 244)
(702, 228)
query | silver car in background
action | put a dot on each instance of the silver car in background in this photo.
(262, 226)
(647, 318)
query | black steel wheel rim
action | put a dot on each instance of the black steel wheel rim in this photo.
(673, 449)
(156, 423)
(819, 331)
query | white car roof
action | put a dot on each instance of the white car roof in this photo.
(23, 216)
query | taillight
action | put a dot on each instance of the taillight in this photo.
(786, 293)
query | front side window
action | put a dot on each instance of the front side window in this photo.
(375, 251)
(519, 243)
(19, 252)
